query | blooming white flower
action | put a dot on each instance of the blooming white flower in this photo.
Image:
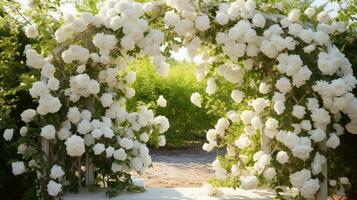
(242, 142)
(279, 107)
(73, 115)
(23, 131)
(53, 188)
(98, 148)
(298, 178)
(18, 168)
(309, 12)
(8, 133)
(56, 172)
(202, 23)
(31, 31)
(211, 86)
(282, 157)
(109, 152)
(269, 173)
(317, 135)
(106, 99)
(259, 20)
(53, 84)
(283, 85)
(298, 111)
(294, 15)
(120, 154)
(161, 101)
(237, 96)
(75, 146)
(28, 115)
(333, 142)
(126, 143)
(196, 99)
(309, 188)
(48, 132)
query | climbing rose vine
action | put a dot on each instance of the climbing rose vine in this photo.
(290, 88)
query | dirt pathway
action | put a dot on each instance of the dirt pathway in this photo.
(179, 168)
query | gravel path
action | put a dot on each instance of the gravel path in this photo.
(179, 168)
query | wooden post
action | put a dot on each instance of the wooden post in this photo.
(264, 142)
(89, 164)
(323, 192)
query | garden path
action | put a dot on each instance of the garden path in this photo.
(188, 167)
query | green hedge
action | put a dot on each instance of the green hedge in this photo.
(188, 123)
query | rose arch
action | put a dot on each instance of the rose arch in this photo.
(290, 87)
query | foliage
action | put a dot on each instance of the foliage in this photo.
(187, 122)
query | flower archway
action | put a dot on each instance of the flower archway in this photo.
(290, 88)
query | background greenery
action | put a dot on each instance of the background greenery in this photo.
(188, 123)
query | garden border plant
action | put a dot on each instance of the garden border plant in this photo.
(290, 87)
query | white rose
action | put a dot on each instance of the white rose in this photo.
(222, 18)
(38, 89)
(298, 111)
(106, 99)
(298, 178)
(269, 173)
(283, 85)
(333, 142)
(211, 86)
(202, 23)
(258, 20)
(21, 149)
(317, 135)
(31, 31)
(23, 131)
(109, 152)
(309, 12)
(294, 15)
(126, 143)
(84, 127)
(63, 133)
(161, 101)
(98, 148)
(163, 122)
(48, 132)
(120, 154)
(279, 107)
(309, 188)
(237, 96)
(73, 115)
(28, 115)
(196, 99)
(8, 133)
(75, 146)
(48, 70)
(56, 172)
(144, 137)
(54, 188)
(242, 142)
(53, 84)
(271, 123)
(282, 157)
(18, 168)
